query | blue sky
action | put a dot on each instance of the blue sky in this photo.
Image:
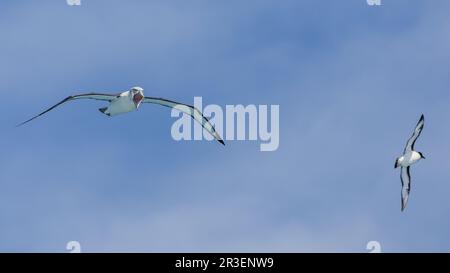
(351, 81)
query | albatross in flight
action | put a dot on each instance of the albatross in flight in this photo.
(409, 157)
(129, 101)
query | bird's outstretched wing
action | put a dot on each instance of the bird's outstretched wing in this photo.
(406, 185)
(190, 110)
(92, 96)
(417, 131)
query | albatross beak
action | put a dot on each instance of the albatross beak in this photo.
(137, 99)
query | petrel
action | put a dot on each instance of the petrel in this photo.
(409, 157)
(130, 100)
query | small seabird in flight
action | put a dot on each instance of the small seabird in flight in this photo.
(130, 100)
(409, 157)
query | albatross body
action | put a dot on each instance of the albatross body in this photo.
(409, 157)
(130, 101)
(125, 102)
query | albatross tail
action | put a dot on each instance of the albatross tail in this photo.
(103, 110)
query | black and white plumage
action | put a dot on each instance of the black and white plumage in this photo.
(409, 157)
(129, 101)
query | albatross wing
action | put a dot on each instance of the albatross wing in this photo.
(406, 185)
(92, 96)
(417, 131)
(190, 110)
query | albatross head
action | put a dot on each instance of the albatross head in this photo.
(137, 95)
(421, 155)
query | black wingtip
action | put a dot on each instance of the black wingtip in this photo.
(221, 142)
(20, 124)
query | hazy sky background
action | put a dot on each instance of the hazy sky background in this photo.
(351, 81)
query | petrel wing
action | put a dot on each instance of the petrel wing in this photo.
(406, 185)
(92, 96)
(417, 131)
(190, 110)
